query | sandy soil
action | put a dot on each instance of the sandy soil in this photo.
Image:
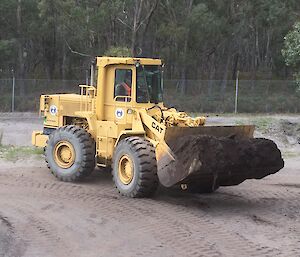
(40, 216)
(17, 127)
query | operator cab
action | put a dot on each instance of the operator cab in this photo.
(124, 84)
(148, 80)
(138, 80)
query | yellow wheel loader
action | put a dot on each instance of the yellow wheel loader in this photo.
(120, 121)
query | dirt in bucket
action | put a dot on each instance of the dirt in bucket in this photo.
(226, 161)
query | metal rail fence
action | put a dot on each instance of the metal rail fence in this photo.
(204, 96)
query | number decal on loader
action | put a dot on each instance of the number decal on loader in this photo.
(119, 113)
(53, 110)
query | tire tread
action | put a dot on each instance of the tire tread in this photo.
(147, 178)
(87, 144)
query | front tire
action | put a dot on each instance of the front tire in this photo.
(70, 153)
(134, 168)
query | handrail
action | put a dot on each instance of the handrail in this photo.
(123, 97)
(88, 104)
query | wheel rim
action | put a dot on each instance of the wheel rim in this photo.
(125, 171)
(64, 154)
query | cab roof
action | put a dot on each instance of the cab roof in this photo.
(106, 60)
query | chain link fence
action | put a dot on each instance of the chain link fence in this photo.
(254, 96)
(27, 92)
(205, 96)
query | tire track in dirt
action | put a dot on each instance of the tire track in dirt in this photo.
(177, 223)
(264, 198)
(226, 242)
(11, 243)
(279, 209)
(40, 236)
(253, 193)
(175, 232)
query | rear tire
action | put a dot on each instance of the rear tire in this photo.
(134, 168)
(70, 153)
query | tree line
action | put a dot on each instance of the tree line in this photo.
(198, 39)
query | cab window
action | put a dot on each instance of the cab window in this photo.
(149, 84)
(123, 84)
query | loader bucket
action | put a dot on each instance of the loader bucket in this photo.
(215, 156)
(216, 131)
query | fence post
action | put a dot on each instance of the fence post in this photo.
(236, 92)
(13, 91)
(87, 77)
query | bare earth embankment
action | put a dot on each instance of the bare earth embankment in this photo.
(40, 216)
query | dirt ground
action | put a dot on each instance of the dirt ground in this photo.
(17, 127)
(40, 216)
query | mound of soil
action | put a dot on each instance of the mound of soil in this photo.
(225, 161)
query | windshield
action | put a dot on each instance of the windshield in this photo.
(149, 84)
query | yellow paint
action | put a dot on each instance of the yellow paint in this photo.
(125, 169)
(109, 120)
(38, 139)
(64, 154)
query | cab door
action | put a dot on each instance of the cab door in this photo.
(120, 94)
(118, 102)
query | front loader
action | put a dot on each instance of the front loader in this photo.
(122, 123)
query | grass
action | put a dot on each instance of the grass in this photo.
(289, 154)
(14, 153)
(263, 124)
(1, 137)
